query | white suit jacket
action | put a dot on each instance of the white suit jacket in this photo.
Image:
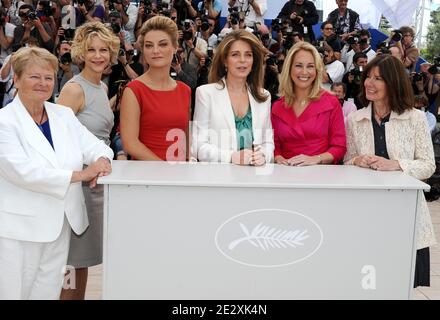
(35, 188)
(214, 135)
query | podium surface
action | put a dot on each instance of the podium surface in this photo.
(221, 231)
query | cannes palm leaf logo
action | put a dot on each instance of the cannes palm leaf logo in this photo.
(267, 238)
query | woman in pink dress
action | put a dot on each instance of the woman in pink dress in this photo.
(307, 121)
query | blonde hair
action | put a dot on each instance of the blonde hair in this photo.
(287, 85)
(160, 23)
(84, 36)
(24, 57)
(256, 76)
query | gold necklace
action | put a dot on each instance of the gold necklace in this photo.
(303, 102)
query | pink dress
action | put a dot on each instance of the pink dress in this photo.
(320, 128)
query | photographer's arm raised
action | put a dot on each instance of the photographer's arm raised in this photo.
(5, 41)
(192, 12)
(212, 13)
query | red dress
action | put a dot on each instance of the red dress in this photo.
(320, 128)
(162, 111)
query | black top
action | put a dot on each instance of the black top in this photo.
(380, 144)
(308, 11)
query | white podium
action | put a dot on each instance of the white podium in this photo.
(220, 231)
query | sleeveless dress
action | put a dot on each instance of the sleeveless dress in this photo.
(97, 116)
(164, 115)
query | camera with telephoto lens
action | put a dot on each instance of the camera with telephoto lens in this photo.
(383, 47)
(47, 8)
(66, 58)
(289, 40)
(320, 49)
(353, 40)
(234, 14)
(116, 27)
(277, 24)
(356, 71)
(435, 68)
(416, 77)
(32, 15)
(148, 8)
(187, 35)
(69, 34)
(272, 60)
(297, 19)
(210, 52)
(205, 25)
(397, 36)
(121, 52)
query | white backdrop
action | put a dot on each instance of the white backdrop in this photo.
(398, 12)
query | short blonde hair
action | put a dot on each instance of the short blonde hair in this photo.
(24, 57)
(160, 23)
(287, 85)
(83, 37)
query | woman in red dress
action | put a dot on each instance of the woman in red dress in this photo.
(155, 108)
(307, 121)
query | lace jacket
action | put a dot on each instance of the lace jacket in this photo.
(408, 141)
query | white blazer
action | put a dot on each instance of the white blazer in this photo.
(35, 188)
(214, 135)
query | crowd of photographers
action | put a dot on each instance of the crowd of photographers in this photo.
(344, 46)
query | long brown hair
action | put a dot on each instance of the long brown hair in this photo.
(398, 85)
(255, 77)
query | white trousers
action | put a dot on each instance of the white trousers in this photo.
(33, 270)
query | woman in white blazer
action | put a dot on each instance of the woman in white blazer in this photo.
(232, 114)
(43, 148)
(391, 135)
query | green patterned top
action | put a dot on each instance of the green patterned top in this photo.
(245, 136)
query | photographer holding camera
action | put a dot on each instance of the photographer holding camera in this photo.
(206, 30)
(302, 15)
(6, 36)
(352, 79)
(410, 54)
(194, 48)
(329, 36)
(210, 8)
(87, 11)
(427, 82)
(32, 27)
(254, 10)
(334, 69)
(345, 21)
(358, 43)
(185, 72)
(234, 21)
(129, 14)
(67, 69)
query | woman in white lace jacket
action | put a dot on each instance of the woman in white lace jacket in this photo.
(391, 135)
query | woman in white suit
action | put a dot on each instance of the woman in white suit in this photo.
(232, 113)
(43, 148)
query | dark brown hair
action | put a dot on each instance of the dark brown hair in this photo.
(398, 85)
(255, 77)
